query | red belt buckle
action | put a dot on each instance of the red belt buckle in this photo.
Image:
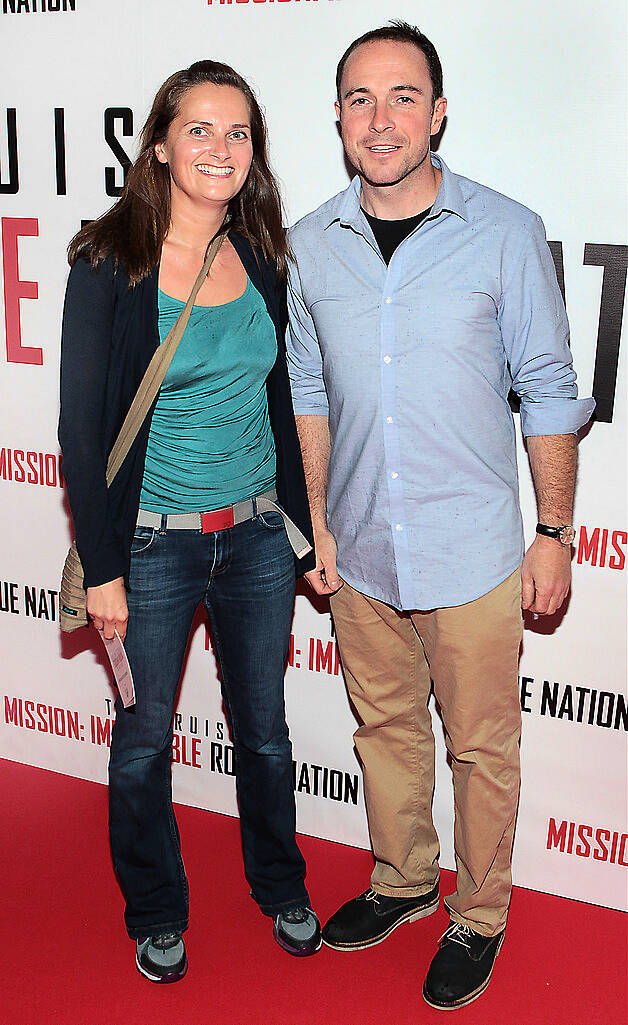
(219, 519)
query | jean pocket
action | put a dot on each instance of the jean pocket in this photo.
(143, 539)
(271, 520)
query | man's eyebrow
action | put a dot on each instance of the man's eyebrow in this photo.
(406, 89)
(358, 89)
(403, 88)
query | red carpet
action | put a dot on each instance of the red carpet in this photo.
(67, 961)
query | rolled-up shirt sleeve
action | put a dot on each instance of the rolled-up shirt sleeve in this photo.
(305, 362)
(535, 333)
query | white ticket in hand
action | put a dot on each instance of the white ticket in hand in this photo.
(121, 668)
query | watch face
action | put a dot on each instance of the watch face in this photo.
(566, 535)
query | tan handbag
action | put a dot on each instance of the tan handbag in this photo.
(72, 610)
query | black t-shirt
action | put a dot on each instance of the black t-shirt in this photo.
(388, 234)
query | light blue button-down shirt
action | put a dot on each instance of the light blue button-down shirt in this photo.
(412, 363)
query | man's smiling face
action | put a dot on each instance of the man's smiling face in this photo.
(386, 111)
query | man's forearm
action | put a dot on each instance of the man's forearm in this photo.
(553, 462)
(313, 430)
(546, 568)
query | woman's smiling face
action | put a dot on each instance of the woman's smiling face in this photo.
(208, 147)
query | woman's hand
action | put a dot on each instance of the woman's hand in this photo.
(106, 604)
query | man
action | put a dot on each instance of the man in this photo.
(417, 299)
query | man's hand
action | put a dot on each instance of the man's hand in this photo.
(324, 578)
(106, 604)
(545, 576)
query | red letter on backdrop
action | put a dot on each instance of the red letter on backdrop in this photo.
(14, 290)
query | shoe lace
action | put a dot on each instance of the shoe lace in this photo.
(296, 916)
(166, 940)
(371, 895)
(458, 933)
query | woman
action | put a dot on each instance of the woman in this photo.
(221, 434)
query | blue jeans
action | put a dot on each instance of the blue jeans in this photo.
(245, 578)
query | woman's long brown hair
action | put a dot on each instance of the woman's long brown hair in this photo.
(134, 229)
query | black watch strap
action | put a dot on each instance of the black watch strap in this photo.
(564, 534)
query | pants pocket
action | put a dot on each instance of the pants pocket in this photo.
(143, 539)
(271, 520)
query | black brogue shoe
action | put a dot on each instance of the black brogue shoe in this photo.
(371, 917)
(461, 968)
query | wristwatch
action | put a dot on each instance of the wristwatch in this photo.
(565, 534)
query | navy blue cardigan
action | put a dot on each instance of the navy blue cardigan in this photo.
(110, 332)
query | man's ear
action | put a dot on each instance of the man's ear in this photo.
(337, 108)
(440, 109)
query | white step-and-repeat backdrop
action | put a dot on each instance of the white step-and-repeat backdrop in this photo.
(536, 104)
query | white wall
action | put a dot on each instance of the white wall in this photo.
(536, 107)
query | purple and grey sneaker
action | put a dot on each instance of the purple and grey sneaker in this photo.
(162, 958)
(298, 931)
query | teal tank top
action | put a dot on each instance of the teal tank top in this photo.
(210, 441)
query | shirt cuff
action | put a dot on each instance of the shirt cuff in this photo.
(554, 416)
(310, 405)
(106, 563)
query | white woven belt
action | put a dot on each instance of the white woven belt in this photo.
(241, 511)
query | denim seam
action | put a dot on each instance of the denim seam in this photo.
(266, 909)
(225, 563)
(271, 526)
(140, 932)
(223, 675)
(149, 543)
(275, 909)
(174, 834)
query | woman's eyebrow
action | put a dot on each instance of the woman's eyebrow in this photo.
(208, 124)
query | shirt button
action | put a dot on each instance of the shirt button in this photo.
(387, 359)
(394, 475)
(389, 420)
(388, 299)
(398, 526)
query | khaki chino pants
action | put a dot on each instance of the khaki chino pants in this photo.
(471, 653)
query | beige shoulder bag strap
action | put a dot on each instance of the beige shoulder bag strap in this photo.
(157, 370)
(72, 610)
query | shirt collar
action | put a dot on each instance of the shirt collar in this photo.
(346, 210)
(449, 196)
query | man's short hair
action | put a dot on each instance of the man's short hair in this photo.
(400, 32)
